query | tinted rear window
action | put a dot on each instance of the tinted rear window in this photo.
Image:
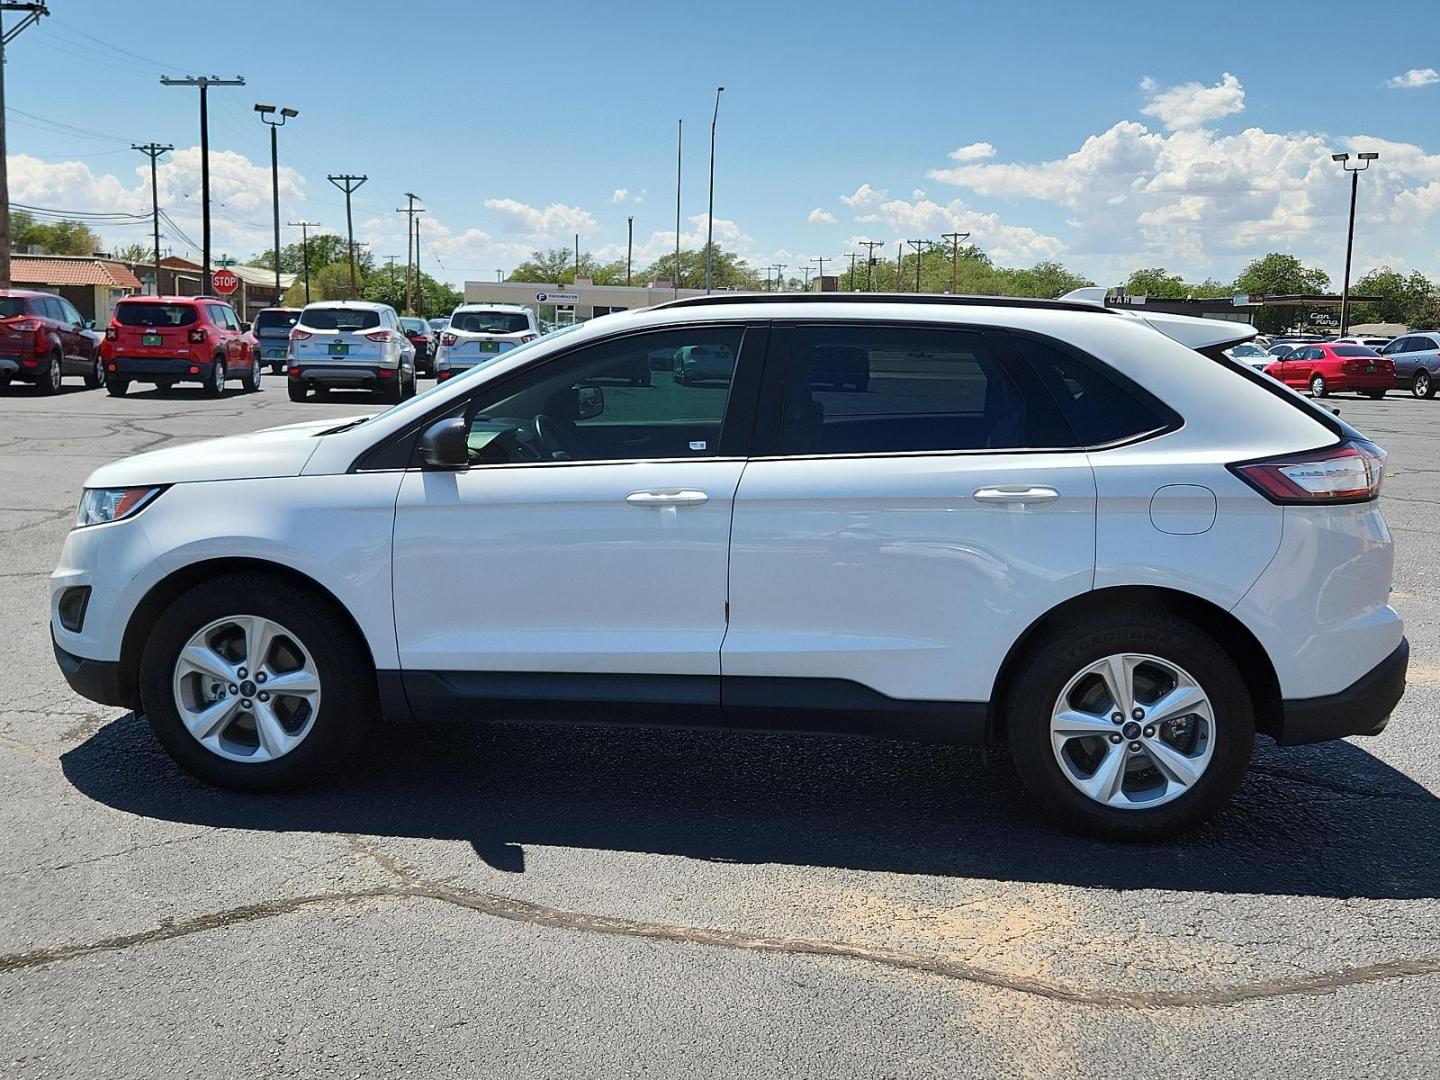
(276, 320)
(1354, 350)
(155, 314)
(490, 322)
(11, 306)
(341, 318)
(415, 325)
(1099, 404)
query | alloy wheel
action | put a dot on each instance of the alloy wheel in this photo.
(57, 373)
(1133, 731)
(1420, 387)
(246, 688)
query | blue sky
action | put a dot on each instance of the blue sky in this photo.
(1108, 137)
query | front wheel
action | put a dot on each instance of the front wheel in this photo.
(1375, 395)
(1318, 387)
(96, 378)
(250, 381)
(1422, 386)
(298, 391)
(1130, 726)
(252, 683)
(215, 384)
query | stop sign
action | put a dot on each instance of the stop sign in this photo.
(224, 282)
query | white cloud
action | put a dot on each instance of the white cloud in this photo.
(1192, 104)
(821, 216)
(1413, 78)
(1007, 244)
(975, 151)
(542, 223)
(621, 195)
(865, 197)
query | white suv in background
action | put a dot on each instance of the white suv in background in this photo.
(1083, 533)
(350, 344)
(478, 333)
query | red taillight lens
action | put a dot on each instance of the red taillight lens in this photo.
(299, 335)
(441, 376)
(295, 371)
(25, 325)
(378, 335)
(448, 339)
(196, 337)
(1349, 472)
(112, 334)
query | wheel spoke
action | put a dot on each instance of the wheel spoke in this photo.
(200, 657)
(1071, 724)
(1119, 675)
(274, 739)
(1108, 780)
(259, 636)
(1178, 768)
(210, 721)
(301, 682)
(1185, 698)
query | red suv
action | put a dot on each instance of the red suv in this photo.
(1324, 368)
(43, 339)
(169, 339)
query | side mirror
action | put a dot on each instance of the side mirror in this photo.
(89, 324)
(244, 327)
(444, 446)
(589, 401)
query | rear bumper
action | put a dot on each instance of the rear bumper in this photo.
(1362, 708)
(148, 368)
(320, 373)
(98, 680)
(1361, 382)
(10, 366)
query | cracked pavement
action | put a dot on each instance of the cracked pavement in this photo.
(511, 901)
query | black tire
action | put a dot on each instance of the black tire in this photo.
(347, 679)
(1375, 395)
(117, 387)
(392, 393)
(96, 379)
(215, 384)
(1055, 658)
(1423, 384)
(277, 369)
(298, 391)
(250, 381)
(1318, 388)
(54, 376)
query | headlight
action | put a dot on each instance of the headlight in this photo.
(99, 505)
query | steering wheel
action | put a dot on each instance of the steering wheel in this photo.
(547, 430)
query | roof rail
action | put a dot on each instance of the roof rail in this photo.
(881, 298)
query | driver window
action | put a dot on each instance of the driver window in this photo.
(647, 396)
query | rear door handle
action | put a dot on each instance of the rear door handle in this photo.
(668, 497)
(1015, 495)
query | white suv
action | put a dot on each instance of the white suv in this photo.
(1046, 524)
(478, 333)
(350, 344)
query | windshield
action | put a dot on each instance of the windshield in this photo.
(134, 314)
(415, 326)
(10, 306)
(274, 319)
(339, 318)
(490, 322)
(1354, 350)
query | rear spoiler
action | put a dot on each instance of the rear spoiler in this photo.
(1188, 330)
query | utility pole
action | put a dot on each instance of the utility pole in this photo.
(679, 156)
(806, 269)
(33, 14)
(919, 246)
(204, 82)
(852, 256)
(305, 227)
(390, 269)
(153, 152)
(419, 284)
(349, 184)
(577, 258)
(710, 214)
(780, 276)
(411, 241)
(820, 275)
(955, 238)
(499, 276)
(899, 263)
(629, 246)
(869, 246)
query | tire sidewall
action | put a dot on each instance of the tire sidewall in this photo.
(1056, 660)
(1421, 386)
(342, 661)
(1317, 386)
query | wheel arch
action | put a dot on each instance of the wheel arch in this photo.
(164, 592)
(1227, 631)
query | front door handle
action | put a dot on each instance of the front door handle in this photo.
(668, 497)
(1016, 495)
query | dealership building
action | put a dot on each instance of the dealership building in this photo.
(580, 301)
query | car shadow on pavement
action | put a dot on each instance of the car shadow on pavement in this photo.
(1326, 820)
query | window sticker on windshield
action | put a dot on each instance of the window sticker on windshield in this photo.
(698, 444)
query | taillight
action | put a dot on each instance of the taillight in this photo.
(1351, 471)
(441, 376)
(448, 339)
(527, 337)
(299, 335)
(25, 326)
(378, 335)
(196, 336)
(112, 334)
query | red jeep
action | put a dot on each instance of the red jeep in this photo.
(169, 339)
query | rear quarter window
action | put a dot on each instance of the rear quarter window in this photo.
(1100, 405)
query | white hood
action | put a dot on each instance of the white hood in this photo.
(280, 451)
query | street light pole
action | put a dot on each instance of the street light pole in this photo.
(1344, 160)
(679, 157)
(710, 214)
(266, 112)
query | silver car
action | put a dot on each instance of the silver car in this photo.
(351, 344)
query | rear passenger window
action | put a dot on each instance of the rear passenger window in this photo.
(1099, 404)
(885, 390)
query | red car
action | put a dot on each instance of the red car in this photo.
(43, 339)
(1325, 368)
(169, 339)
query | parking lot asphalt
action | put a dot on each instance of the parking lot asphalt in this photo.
(505, 901)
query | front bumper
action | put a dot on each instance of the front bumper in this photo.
(1362, 708)
(149, 369)
(98, 680)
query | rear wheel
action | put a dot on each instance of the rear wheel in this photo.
(96, 378)
(1422, 386)
(117, 387)
(1130, 726)
(1317, 386)
(298, 391)
(1375, 394)
(251, 682)
(215, 384)
(54, 375)
(251, 379)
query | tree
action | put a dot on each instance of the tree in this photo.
(325, 248)
(1411, 300)
(135, 253)
(553, 267)
(1278, 274)
(1158, 284)
(53, 238)
(731, 272)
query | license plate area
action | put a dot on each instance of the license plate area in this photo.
(152, 340)
(339, 348)
(1370, 369)
(489, 346)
